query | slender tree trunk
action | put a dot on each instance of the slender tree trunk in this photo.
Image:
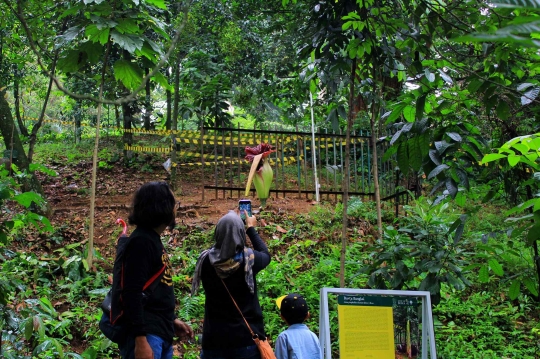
(375, 163)
(345, 181)
(78, 117)
(128, 112)
(12, 141)
(147, 103)
(117, 116)
(37, 126)
(169, 110)
(176, 99)
(17, 97)
(90, 257)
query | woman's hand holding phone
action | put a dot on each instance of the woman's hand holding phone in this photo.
(250, 221)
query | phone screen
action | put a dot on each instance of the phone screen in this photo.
(244, 205)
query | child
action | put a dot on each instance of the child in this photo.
(297, 342)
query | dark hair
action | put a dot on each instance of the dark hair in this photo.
(152, 206)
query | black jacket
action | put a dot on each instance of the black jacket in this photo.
(144, 257)
(223, 326)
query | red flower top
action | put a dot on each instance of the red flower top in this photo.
(264, 148)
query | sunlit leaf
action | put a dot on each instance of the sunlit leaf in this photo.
(496, 267)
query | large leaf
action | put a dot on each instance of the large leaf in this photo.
(26, 198)
(513, 292)
(530, 96)
(415, 156)
(463, 178)
(496, 267)
(423, 143)
(435, 157)
(492, 157)
(533, 234)
(437, 170)
(128, 73)
(451, 187)
(128, 42)
(409, 113)
(403, 158)
(157, 3)
(483, 274)
(531, 286)
(503, 110)
(442, 146)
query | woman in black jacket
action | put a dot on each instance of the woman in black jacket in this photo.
(232, 264)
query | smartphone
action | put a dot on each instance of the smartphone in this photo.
(244, 205)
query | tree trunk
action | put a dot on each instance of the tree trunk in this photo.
(176, 74)
(375, 162)
(12, 141)
(147, 103)
(128, 112)
(37, 126)
(17, 97)
(78, 117)
(345, 180)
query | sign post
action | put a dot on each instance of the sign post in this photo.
(379, 324)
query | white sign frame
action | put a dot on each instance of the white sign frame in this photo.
(427, 317)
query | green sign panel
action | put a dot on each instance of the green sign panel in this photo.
(366, 300)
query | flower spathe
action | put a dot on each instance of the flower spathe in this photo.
(260, 173)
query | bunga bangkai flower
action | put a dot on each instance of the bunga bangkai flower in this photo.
(260, 173)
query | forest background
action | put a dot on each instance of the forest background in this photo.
(455, 83)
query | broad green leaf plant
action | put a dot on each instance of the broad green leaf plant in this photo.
(524, 151)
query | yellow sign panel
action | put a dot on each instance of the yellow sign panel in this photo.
(366, 332)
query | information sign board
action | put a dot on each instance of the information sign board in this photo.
(378, 324)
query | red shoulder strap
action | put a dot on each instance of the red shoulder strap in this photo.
(153, 278)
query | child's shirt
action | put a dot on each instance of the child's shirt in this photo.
(298, 342)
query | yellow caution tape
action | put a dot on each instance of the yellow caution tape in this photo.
(147, 149)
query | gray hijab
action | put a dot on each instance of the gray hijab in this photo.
(229, 249)
(229, 238)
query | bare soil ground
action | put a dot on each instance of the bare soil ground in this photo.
(69, 195)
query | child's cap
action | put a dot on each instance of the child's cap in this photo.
(294, 307)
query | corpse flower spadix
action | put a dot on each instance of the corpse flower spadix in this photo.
(260, 173)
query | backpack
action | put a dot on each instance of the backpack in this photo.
(111, 323)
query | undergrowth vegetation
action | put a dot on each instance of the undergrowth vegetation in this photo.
(464, 255)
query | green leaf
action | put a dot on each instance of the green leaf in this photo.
(533, 234)
(128, 42)
(503, 110)
(415, 156)
(513, 160)
(461, 199)
(27, 198)
(513, 292)
(28, 328)
(392, 150)
(409, 113)
(460, 228)
(396, 112)
(496, 267)
(69, 62)
(492, 157)
(157, 3)
(423, 142)
(531, 286)
(451, 187)
(403, 158)
(162, 80)
(128, 73)
(454, 282)
(437, 170)
(483, 274)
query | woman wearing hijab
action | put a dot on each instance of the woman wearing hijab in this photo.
(231, 263)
